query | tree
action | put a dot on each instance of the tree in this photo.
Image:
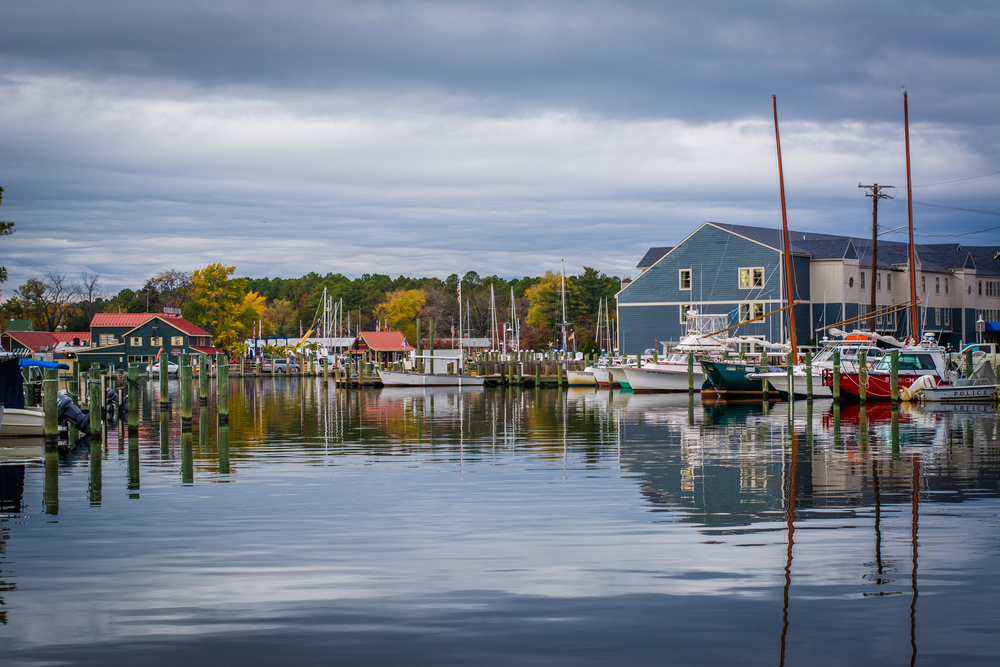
(47, 301)
(400, 310)
(279, 316)
(6, 229)
(222, 306)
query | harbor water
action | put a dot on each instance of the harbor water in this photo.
(506, 526)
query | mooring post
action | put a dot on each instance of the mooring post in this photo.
(164, 377)
(184, 375)
(74, 393)
(202, 379)
(690, 372)
(133, 398)
(894, 376)
(94, 386)
(791, 378)
(222, 401)
(862, 378)
(430, 344)
(836, 375)
(50, 403)
(418, 363)
(809, 376)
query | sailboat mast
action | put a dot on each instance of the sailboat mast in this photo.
(914, 319)
(784, 229)
(563, 304)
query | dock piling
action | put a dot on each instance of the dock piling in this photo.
(836, 375)
(50, 403)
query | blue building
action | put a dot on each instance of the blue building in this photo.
(737, 270)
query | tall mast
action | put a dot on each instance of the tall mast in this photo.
(493, 317)
(784, 229)
(563, 304)
(914, 318)
(460, 322)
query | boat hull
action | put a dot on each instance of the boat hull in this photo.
(877, 388)
(399, 379)
(648, 380)
(954, 394)
(601, 375)
(819, 390)
(618, 377)
(580, 379)
(728, 379)
(22, 422)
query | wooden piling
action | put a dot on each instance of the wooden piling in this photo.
(202, 379)
(164, 378)
(430, 345)
(894, 376)
(690, 372)
(791, 378)
(836, 375)
(94, 388)
(222, 401)
(50, 403)
(809, 376)
(862, 378)
(184, 377)
(132, 389)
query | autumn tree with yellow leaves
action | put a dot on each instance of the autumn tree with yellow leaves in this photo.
(222, 306)
(400, 310)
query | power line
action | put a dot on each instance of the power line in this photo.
(957, 180)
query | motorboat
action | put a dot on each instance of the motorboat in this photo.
(979, 387)
(584, 378)
(915, 362)
(411, 379)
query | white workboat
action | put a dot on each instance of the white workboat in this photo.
(668, 375)
(602, 375)
(22, 422)
(580, 379)
(980, 387)
(408, 379)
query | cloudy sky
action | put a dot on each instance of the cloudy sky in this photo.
(427, 138)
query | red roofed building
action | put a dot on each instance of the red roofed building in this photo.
(386, 346)
(59, 343)
(122, 339)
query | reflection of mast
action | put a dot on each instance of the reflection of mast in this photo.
(793, 471)
(878, 522)
(915, 505)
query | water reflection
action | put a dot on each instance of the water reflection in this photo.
(591, 510)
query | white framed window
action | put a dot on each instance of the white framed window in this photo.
(878, 281)
(684, 312)
(135, 341)
(751, 277)
(937, 317)
(156, 341)
(923, 284)
(937, 285)
(684, 279)
(177, 340)
(946, 285)
(980, 288)
(862, 280)
(758, 309)
(750, 311)
(947, 314)
(888, 282)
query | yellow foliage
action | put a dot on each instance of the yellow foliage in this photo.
(222, 306)
(545, 299)
(399, 311)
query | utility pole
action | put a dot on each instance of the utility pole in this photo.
(875, 192)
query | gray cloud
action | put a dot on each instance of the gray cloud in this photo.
(421, 137)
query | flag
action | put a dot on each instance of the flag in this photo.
(453, 321)
(460, 291)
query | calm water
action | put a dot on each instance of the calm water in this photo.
(501, 527)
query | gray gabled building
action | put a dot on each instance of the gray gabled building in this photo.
(737, 270)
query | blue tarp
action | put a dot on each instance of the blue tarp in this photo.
(29, 363)
(992, 326)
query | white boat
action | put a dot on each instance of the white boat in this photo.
(23, 422)
(408, 379)
(980, 387)
(670, 375)
(849, 351)
(617, 374)
(602, 375)
(583, 378)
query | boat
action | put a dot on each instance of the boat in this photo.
(979, 387)
(602, 375)
(849, 350)
(582, 378)
(617, 374)
(915, 362)
(20, 422)
(410, 379)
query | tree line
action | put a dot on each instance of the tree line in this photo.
(233, 308)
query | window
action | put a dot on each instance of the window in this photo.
(878, 281)
(108, 339)
(685, 279)
(684, 312)
(888, 282)
(937, 285)
(862, 280)
(751, 278)
(177, 340)
(945, 285)
(135, 341)
(923, 284)
(758, 310)
(156, 341)
(750, 311)
(947, 315)
(744, 312)
(850, 282)
(980, 288)
(937, 317)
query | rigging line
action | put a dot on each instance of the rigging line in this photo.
(952, 208)
(957, 180)
(874, 176)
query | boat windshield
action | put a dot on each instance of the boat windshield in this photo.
(909, 362)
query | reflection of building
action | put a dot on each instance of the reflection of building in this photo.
(136, 338)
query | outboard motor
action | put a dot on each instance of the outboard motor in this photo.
(70, 413)
(111, 404)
